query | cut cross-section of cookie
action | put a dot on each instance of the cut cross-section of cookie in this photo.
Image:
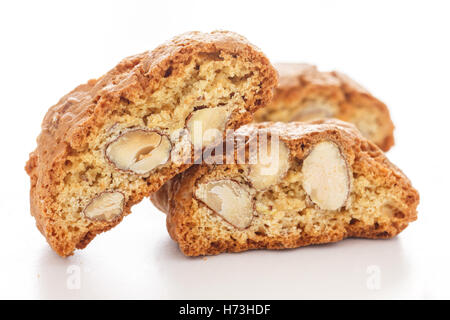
(314, 110)
(337, 185)
(305, 94)
(112, 141)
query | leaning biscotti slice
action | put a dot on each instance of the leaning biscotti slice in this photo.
(305, 94)
(114, 140)
(312, 183)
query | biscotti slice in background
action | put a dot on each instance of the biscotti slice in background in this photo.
(313, 183)
(304, 94)
(114, 140)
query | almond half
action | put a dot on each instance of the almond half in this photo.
(231, 200)
(139, 151)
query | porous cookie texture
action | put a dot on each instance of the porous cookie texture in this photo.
(306, 94)
(114, 140)
(324, 182)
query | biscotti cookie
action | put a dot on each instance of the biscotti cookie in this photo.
(114, 140)
(312, 183)
(305, 94)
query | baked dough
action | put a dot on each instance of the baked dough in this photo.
(337, 185)
(306, 94)
(114, 140)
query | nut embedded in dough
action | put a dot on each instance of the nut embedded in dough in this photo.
(139, 151)
(206, 125)
(106, 206)
(326, 177)
(315, 110)
(271, 165)
(229, 199)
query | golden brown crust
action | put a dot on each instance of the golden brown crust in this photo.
(300, 82)
(68, 124)
(176, 197)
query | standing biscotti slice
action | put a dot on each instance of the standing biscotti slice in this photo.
(306, 94)
(312, 183)
(114, 140)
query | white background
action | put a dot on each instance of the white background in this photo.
(399, 50)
